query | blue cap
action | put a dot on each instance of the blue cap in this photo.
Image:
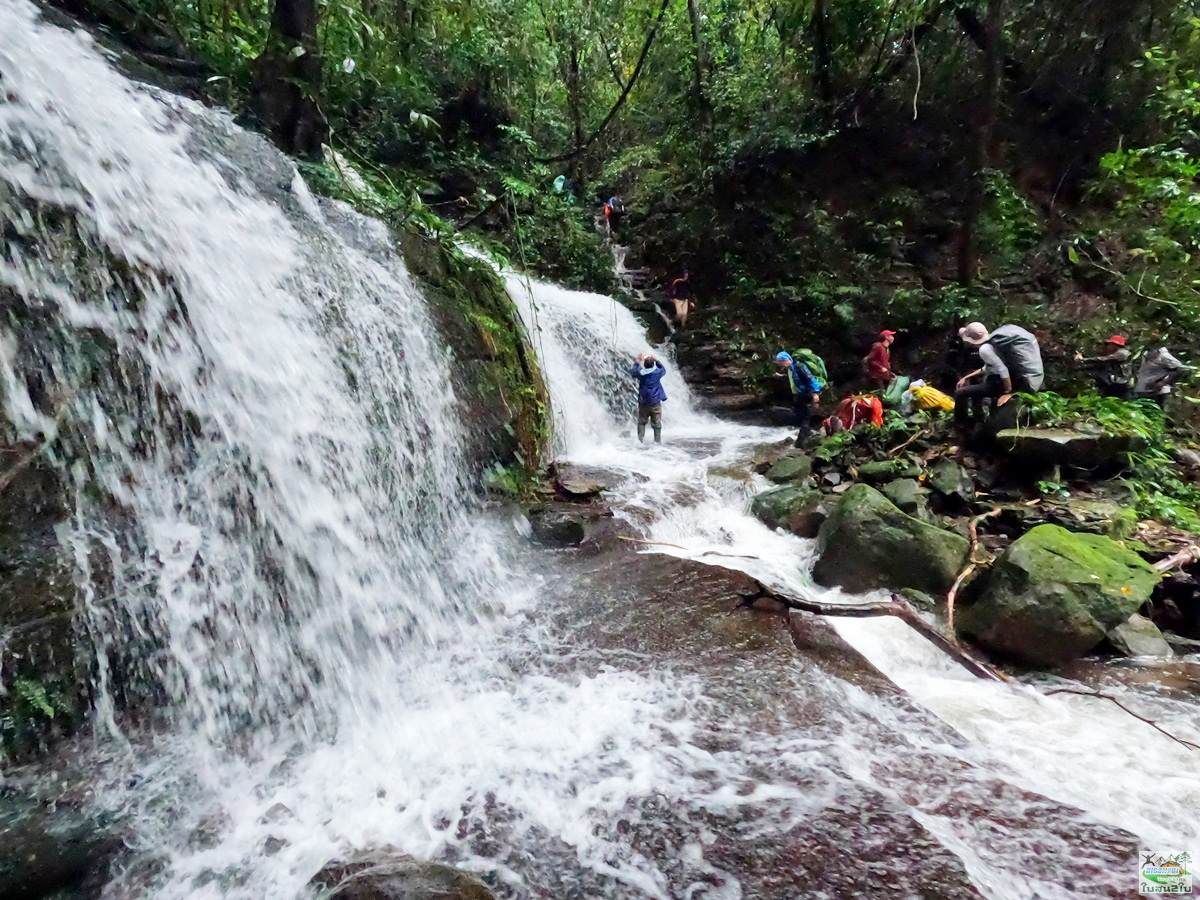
(781, 356)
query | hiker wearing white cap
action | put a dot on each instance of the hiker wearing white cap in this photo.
(1012, 360)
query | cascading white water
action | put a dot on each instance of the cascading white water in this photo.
(270, 522)
(275, 555)
(1083, 752)
(258, 387)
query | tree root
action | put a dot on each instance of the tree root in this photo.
(1112, 699)
(973, 565)
(1182, 558)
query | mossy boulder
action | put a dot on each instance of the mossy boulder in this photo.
(791, 468)
(1054, 594)
(868, 543)
(799, 508)
(887, 470)
(908, 496)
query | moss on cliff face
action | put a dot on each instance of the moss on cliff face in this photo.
(496, 378)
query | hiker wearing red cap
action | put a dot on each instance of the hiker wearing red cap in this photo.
(1110, 370)
(878, 362)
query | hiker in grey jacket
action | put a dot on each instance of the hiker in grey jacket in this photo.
(1012, 361)
(1158, 371)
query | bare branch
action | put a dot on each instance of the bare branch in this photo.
(1113, 699)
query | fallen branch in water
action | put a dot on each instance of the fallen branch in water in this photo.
(901, 609)
(973, 565)
(1113, 699)
(634, 540)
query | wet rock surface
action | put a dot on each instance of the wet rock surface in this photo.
(1054, 595)
(772, 688)
(393, 876)
(867, 543)
(52, 847)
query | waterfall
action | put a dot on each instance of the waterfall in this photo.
(246, 373)
(333, 647)
(586, 344)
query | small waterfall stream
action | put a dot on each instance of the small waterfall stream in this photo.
(343, 650)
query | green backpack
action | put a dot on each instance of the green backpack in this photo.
(815, 364)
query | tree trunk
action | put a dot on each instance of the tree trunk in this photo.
(982, 152)
(698, 64)
(575, 90)
(287, 80)
(822, 56)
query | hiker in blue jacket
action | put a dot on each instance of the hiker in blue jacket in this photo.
(649, 372)
(806, 393)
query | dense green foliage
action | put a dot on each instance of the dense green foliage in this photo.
(826, 166)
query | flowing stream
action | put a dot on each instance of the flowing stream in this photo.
(274, 530)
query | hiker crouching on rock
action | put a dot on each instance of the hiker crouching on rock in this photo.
(806, 393)
(1012, 361)
(649, 372)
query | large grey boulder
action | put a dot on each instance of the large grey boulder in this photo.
(1067, 447)
(867, 543)
(1139, 637)
(1053, 595)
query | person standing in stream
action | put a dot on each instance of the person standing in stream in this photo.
(806, 393)
(649, 372)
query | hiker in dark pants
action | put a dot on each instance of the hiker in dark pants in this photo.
(649, 372)
(1012, 360)
(1110, 370)
(806, 393)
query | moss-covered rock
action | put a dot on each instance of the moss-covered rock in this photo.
(796, 467)
(949, 479)
(1054, 594)
(42, 677)
(800, 508)
(888, 470)
(867, 543)
(908, 496)
(498, 381)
